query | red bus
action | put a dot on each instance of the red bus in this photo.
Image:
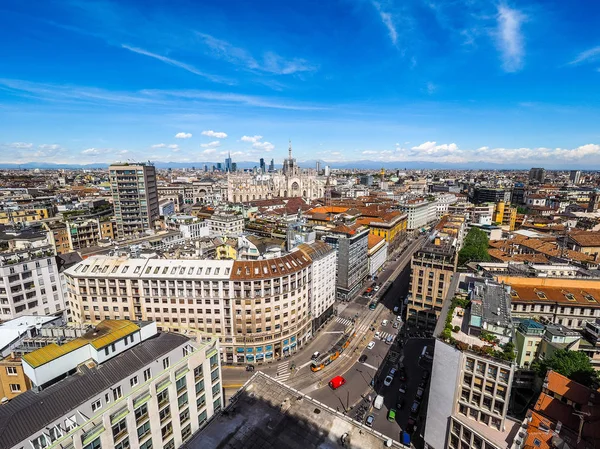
(337, 382)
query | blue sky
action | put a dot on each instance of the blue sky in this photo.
(443, 81)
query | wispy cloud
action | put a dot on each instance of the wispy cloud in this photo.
(509, 38)
(591, 55)
(431, 88)
(386, 18)
(183, 135)
(182, 65)
(213, 144)
(271, 62)
(252, 139)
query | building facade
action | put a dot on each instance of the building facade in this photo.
(260, 310)
(161, 389)
(419, 212)
(226, 223)
(135, 197)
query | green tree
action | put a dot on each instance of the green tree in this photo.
(573, 364)
(475, 247)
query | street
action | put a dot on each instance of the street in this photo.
(358, 375)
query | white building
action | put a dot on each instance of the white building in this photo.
(226, 223)
(442, 202)
(324, 266)
(30, 283)
(420, 213)
(166, 207)
(377, 254)
(189, 226)
(160, 390)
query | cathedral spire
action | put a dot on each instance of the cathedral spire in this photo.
(290, 149)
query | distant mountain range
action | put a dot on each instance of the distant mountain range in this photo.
(362, 164)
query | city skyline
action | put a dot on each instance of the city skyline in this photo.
(503, 85)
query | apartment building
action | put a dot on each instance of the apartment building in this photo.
(58, 236)
(432, 268)
(123, 384)
(135, 197)
(570, 302)
(260, 309)
(83, 233)
(324, 262)
(470, 389)
(351, 244)
(30, 283)
(377, 254)
(419, 213)
(226, 223)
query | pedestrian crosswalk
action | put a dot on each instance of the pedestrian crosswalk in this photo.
(342, 320)
(385, 335)
(283, 371)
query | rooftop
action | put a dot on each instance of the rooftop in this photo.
(267, 414)
(31, 411)
(494, 300)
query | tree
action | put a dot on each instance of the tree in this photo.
(475, 247)
(573, 364)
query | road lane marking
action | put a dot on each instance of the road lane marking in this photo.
(370, 366)
(333, 332)
(305, 364)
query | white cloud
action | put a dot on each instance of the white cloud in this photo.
(370, 152)
(159, 145)
(19, 145)
(432, 148)
(183, 135)
(593, 54)
(93, 151)
(263, 146)
(386, 18)
(213, 144)
(211, 133)
(50, 147)
(181, 65)
(509, 38)
(271, 63)
(209, 151)
(174, 147)
(252, 139)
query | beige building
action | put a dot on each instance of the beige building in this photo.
(259, 310)
(13, 380)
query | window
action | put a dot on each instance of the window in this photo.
(198, 372)
(123, 444)
(11, 370)
(94, 444)
(199, 387)
(146, 445)
(202, 418)
(182, 400)
(96, 405)
(166, 362)
(214, 361)
(162, 397)
(143, 430)
(167, 431)
(147, 374)
(184, 416)
(164, 414)
(119, 429)
(170, 445)
(117, 393)
(180, 384)
(217, 405)
(141, 413)
(15, 388)
(133, 381)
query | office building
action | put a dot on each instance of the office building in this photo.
(272, 166)
(324, 264)
(420, 213)
(121, 385)
(575, 176)
(226, 223)
(228, 162)
(480, 195)
(537, 175)
(352, 245)
(261, 309)
(263, 167)
(470, 383)
(135, 197)
(318, 167)
(377, 254)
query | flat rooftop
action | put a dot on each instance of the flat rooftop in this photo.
(266, 414)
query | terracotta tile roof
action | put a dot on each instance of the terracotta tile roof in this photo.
(589, 297)
(585, 238)
(327, 210)
(567, 388)
(270, 268)
(374, 240)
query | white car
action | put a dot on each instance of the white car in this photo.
(376, 288)
(377, 334)
(398, 318)
(388, 381)
(384, 323)
(371, 345)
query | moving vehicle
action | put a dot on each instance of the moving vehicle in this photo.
(372, 306)
(395, 325)
(377, 334)
(369, 290)
(396, 308)
(388, 381)
(362, 358)
(384, 323)
(316, 355)
(337, 382)
(392, 415)
(378, 402)
(371, 345)
(402, 388)
(389, 340)
(325, 359)
(398, 318)
(369, 421)
(376, 288)
(405, 438)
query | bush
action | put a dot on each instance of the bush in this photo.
(456, 328)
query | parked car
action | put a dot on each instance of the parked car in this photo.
(376, 288)
(420, 392)
(402, 388)
(362, 358)
(390, 339)
(392, 372)
(402, 374)
(316, 355)
(384, 323)
(396, 308)
(414, 408)
(372, 306)
(392, 415)
(410, 425)
(388, 381)
(377, 334)
(378, 403)
(396, 325)
(425, 375)
(369, 421)
(398, 318)
(371, 345)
